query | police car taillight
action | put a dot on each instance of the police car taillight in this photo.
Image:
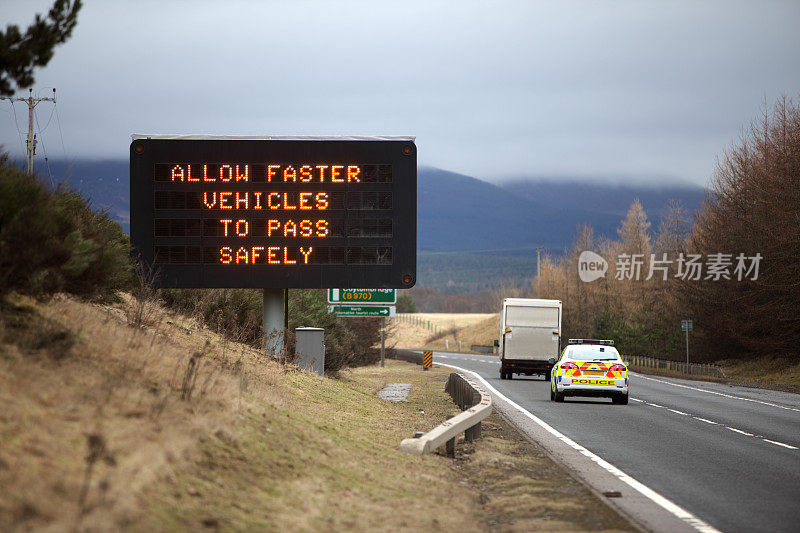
(569, 365)
(618, 368)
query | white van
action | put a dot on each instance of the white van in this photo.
(530, 336)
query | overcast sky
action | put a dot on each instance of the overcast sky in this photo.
(646, 90)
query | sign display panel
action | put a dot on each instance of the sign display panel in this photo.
(362, 296)
(362, 311)
(277, 213)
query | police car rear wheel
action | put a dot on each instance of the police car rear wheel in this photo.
(620, 399)
(558, 396)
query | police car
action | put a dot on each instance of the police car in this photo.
(589, 367)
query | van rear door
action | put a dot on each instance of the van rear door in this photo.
(531, 335)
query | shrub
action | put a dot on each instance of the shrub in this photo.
(237, 314)
(53, 241)
(406, 304)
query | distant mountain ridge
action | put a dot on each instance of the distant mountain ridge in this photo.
(610, 198)
(464, 214)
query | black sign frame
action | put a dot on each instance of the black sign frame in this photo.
(398, 154)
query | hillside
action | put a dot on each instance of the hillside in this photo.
(461, 213)
(611, 199)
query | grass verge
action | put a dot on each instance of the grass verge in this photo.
(107, 426)
(471, 329)
(771, 372)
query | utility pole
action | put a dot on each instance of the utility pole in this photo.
(538, 251)
(31, 142)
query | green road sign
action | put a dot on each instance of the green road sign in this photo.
(362, 310)
(362, 296)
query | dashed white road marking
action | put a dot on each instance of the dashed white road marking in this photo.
(640, 376)
(678, 412)
(740, 431)
(781, 444)
(673, 508)
(707, 421)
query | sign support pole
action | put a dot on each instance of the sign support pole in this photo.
(383, 337)
(273, 321)
(687, 345)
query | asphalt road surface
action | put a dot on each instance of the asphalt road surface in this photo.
(729, 455)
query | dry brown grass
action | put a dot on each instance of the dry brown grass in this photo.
(171, 427)
(519, 488)
(469, 328)
(767, 370)
(119, 386)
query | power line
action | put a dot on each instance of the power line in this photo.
(44, 149)
(16, 123)
(50, 119)
(58, 121)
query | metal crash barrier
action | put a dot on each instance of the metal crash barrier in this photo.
(476, 404)
(681, 367)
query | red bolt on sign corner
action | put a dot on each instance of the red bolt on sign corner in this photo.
(427, 360)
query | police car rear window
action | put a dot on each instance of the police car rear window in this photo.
(593, 353)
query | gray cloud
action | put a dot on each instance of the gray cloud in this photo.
(492, 89)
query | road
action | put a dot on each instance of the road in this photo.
(729, 455)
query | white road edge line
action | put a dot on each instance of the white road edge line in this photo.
(719, 393)
(781, 444)
(740, 431)
(646, 491)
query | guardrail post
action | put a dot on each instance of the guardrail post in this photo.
(473, 433)
(450, 448)
(450, 445)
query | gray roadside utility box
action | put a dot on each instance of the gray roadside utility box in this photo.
(310, 349)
